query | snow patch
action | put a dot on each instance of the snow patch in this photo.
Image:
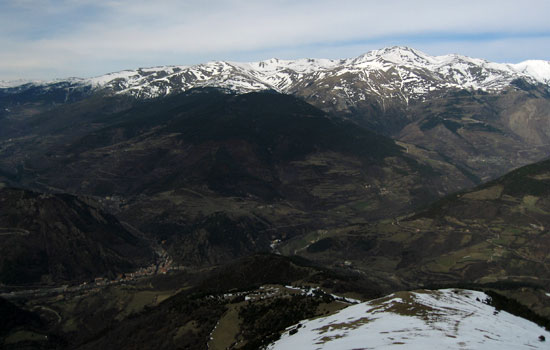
(444, 319)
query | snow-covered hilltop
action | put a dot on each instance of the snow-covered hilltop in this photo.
(395, 72)
(444, 319)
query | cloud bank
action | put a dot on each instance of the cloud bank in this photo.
(45, 39)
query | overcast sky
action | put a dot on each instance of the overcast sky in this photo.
(46, 39)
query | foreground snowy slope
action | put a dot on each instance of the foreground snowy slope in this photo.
(444, 319)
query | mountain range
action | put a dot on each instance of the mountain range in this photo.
(252, 196)
(394, 72)
(447, 104)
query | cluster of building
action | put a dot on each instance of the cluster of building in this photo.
(163, 265)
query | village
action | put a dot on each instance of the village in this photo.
(162, 265)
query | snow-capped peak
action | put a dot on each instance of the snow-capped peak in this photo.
(538, 69)
(398, 55)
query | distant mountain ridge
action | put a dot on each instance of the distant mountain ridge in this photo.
(454, 106)
(394, 72)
